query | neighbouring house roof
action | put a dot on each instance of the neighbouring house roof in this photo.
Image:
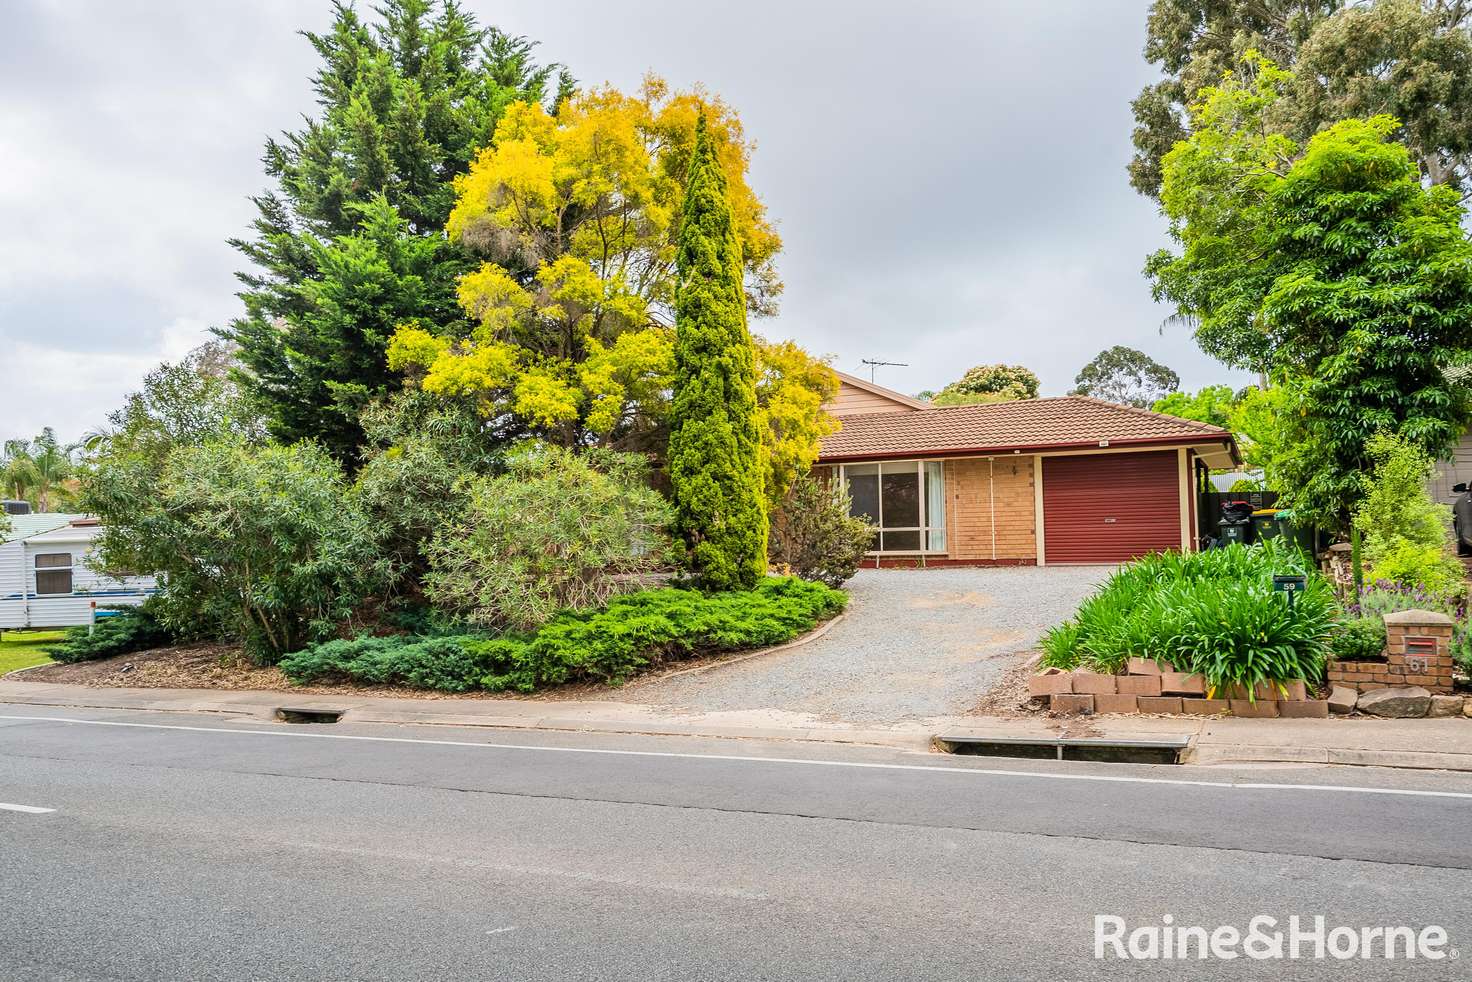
(25, 526)
(879, 390)
(1064, 422)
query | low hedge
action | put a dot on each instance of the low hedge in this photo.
(609, 645)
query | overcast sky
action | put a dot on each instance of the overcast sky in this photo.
(948, 177)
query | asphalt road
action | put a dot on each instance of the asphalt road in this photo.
(193, 847)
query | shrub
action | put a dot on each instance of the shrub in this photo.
(1386, 596)
(814, 536)
(609, 645)
(1214, 613)
(1358, 639)
(1407, 535)
(422, 449)
(558, 531)
(129, 629)
(267, 544)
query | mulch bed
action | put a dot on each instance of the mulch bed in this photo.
(1009, 698)
(223, 667)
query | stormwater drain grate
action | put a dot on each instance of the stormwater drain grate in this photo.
(289, 715)
(1166, 750)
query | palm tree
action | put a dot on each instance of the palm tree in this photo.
(35, 470)
(17, 470)
(53, 464)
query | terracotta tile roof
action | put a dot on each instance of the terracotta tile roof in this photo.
(1064, 421)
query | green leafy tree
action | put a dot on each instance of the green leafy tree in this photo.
(187, 403)
(558, 531)
(1212, 404)
(1407, 535)
(351, 240)
(1125, 375)
(316, 371)
(715, 443)
(1257, 420)
(1411, 59)
(1332, 267)
(266, 544)
(989, 383)
(18, 470)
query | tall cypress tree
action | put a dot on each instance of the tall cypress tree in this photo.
(351, 242)
(714, 439)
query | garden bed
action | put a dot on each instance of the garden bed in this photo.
(702, 629)
(1171, 630)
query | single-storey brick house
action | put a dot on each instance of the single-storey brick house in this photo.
(1030, 482)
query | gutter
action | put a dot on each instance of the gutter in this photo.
(1010, 449)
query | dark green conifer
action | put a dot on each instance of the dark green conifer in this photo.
(714, 438)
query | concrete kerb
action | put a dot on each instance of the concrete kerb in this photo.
(21, 671)
(568, 718)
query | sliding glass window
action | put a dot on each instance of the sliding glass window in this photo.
(904, 499)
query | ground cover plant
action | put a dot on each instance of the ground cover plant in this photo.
(1358, 639)
(634, 631)
(126, 630)
(1214, 613)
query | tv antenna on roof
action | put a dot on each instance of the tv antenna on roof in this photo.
(875, 364)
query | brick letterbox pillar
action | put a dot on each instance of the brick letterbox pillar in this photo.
(1418, 648)
(1418, 651)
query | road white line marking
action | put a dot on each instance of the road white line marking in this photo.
(28, 809)
(804, 761)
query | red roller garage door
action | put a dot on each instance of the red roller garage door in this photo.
(1109, 508)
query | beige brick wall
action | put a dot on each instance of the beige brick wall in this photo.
(969, 517)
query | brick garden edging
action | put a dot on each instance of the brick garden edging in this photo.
(1156, 687)
(1417, 666)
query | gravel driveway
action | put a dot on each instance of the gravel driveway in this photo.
(915, 644)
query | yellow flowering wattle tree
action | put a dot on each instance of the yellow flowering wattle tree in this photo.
(576, 215)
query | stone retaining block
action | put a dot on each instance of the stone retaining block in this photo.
(1092, 683)
(1182, 684)
(1138, 685)
(1113, 702)
(1070, 704)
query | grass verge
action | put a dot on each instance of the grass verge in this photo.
(22, 649)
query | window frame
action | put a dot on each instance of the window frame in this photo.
(925, 529)
(70, 569)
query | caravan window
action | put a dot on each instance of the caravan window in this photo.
(53, 573)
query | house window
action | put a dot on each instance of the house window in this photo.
(905, 500)
(53, 574)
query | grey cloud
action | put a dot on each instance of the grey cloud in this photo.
(948, 177)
